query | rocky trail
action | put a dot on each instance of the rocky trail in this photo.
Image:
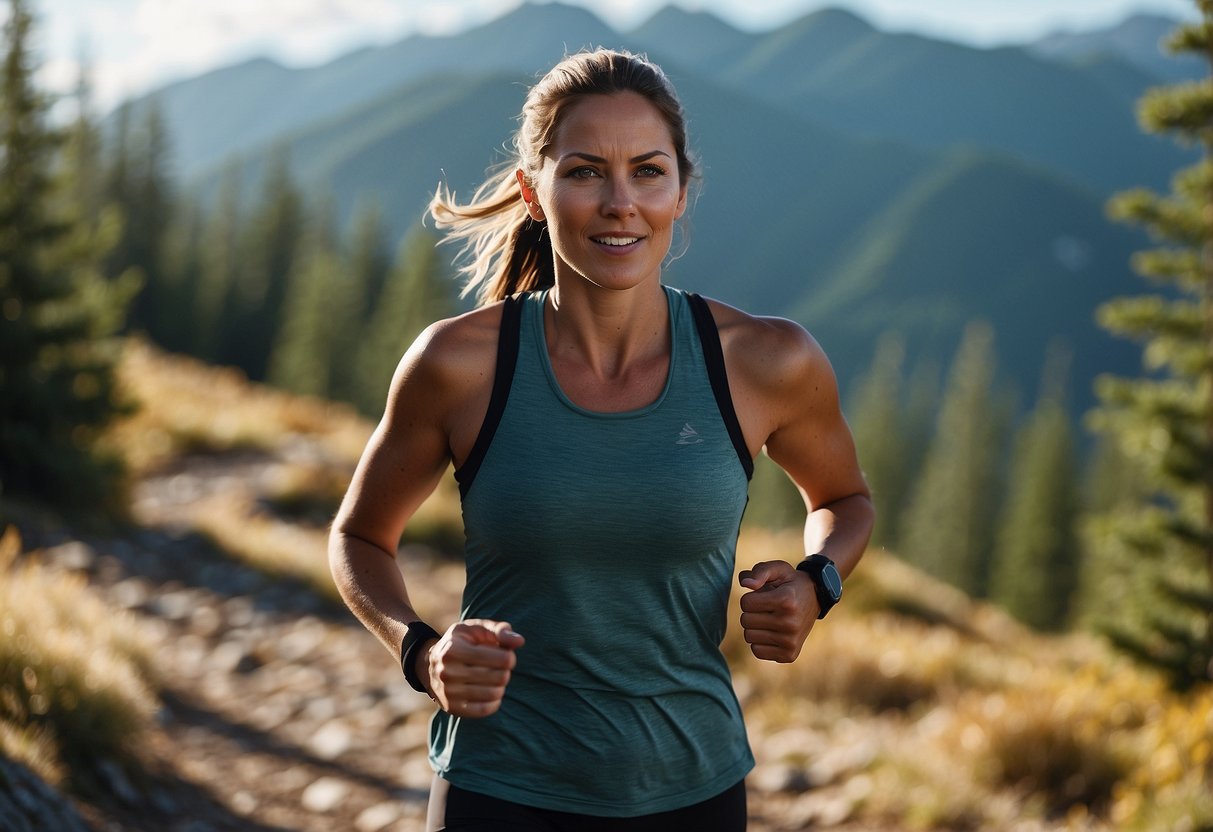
(279, 712)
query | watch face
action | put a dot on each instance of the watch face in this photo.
(832, 580)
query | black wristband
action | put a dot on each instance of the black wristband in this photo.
(418, 634)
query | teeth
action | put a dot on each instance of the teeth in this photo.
(616, 241)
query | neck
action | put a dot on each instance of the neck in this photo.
(607, 331)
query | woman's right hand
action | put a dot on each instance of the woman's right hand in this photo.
(469, 667)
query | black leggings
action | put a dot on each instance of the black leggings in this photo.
(453, 809)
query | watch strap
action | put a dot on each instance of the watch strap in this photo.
(414, 640)
(813, 566)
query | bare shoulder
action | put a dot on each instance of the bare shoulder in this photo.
(446, 376)
(454, 352)
(770, 354)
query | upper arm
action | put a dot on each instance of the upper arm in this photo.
(790, 400)
(410, 449)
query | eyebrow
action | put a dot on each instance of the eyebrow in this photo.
(635, 160)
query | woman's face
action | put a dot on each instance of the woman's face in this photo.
(609, 189)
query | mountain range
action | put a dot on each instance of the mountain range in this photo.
(857, 180)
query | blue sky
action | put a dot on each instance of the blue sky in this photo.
(136, 45)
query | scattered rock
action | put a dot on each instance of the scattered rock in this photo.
(29, 805)
(115, 778)
(244, 803)
(324, 795)
(75, 555)
(778, 777)
(331, 741)
(378, 817)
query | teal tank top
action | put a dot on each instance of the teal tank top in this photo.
(607, 540)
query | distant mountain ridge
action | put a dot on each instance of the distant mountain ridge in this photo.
(856, 180)
(1138, 39)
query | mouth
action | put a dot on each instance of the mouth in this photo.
(617, 240)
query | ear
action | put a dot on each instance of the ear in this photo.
(682, 203)
(529, 196)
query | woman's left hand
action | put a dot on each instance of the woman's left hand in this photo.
(779, 612)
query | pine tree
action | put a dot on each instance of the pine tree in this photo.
(148, 217)
(1036, 556)
(419, 291)
(271, 245)
(1112, 582)
(302, 357)
(180, 280)
(876, 415)
(1164, 420)
(83, 152)
(57, 313)
(370, 259)
(948, 527)
(221, 267)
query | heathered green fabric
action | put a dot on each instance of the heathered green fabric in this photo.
(607, 540)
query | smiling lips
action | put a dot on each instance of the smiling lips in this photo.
(618, 241)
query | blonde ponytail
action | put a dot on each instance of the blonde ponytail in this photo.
(506, 250)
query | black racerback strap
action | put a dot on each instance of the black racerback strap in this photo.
(713, 356)
(507, 358)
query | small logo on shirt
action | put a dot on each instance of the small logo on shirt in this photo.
(688, 436)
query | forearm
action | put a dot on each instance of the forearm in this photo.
(371, 585)
(840, 530)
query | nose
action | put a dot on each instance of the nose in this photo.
(619, 200)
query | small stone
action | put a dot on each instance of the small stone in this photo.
(233, 657)
(378, 817)
(117, 780)
(205, 620)
(129, 594)
(174, 606)
(331, 741)
(244, 803)
(778, 777)
(320, 709)
(323, 795)
(75, 555)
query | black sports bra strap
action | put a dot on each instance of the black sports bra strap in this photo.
(507, 358)
(709, 338)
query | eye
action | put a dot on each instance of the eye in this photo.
(582, 173)
(650, 170)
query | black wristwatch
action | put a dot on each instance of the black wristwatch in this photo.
(825, 578)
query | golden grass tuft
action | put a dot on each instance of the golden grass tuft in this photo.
(186, 406)
(234, 524)
(75, 676)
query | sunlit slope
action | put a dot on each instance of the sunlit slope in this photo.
(982, 237)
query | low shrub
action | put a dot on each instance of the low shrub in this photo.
(76, 685)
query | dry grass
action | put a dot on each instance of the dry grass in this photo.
(976, 722)
(185, 406)
(233, 523)
(75, 680)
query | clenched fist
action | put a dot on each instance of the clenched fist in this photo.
(469, 667)
(778, 614)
